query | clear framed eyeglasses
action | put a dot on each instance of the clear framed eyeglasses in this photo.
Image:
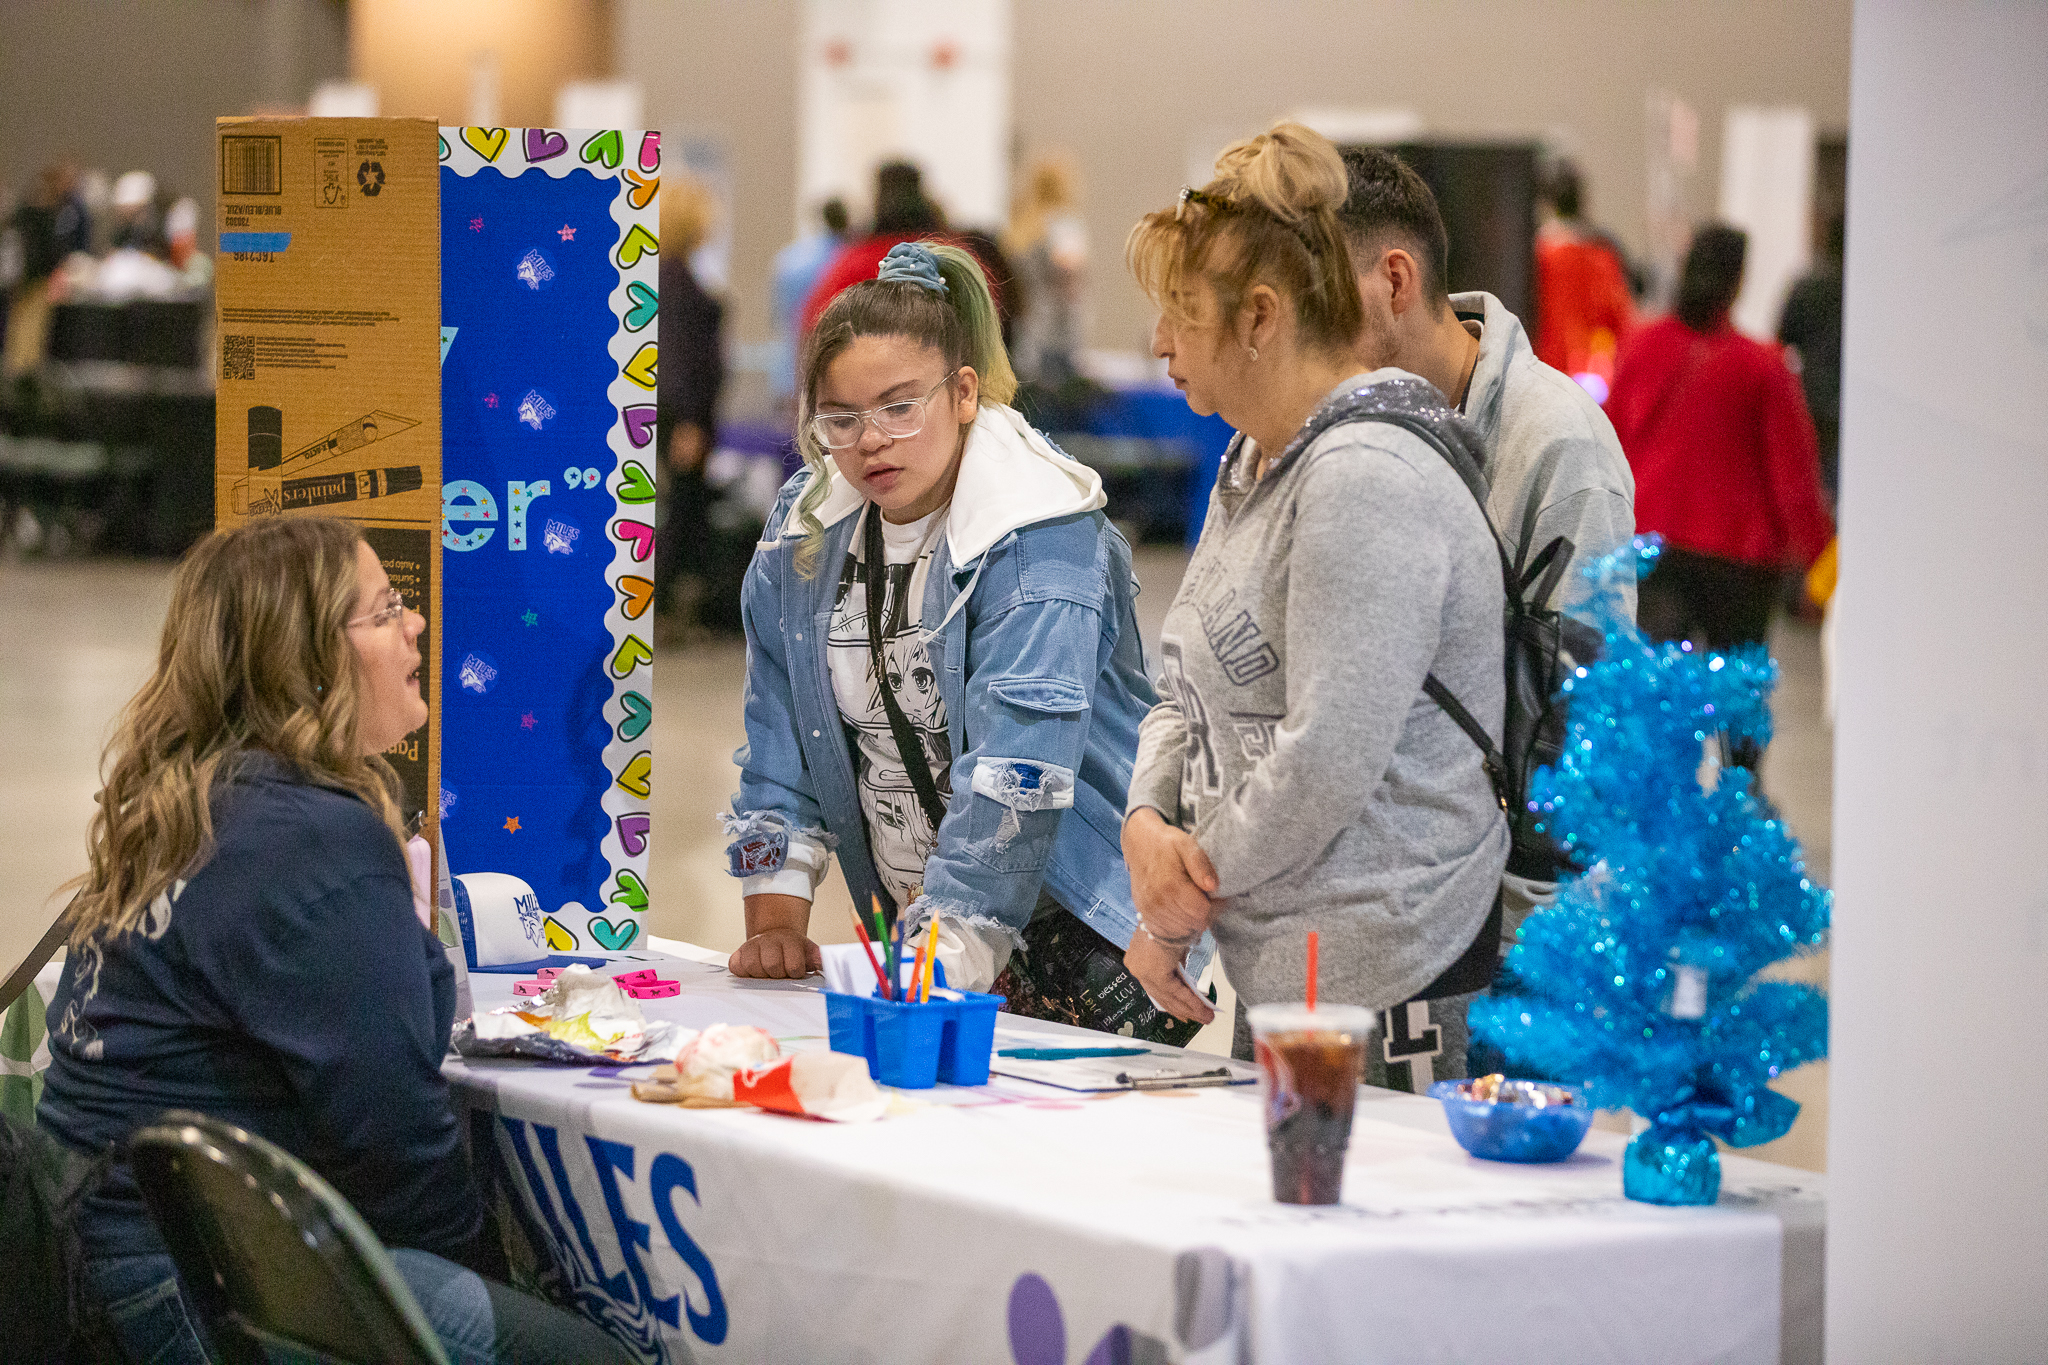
(838, 430)
(393, 608)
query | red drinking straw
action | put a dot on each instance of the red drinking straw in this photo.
(1311, 969)
(868, 947)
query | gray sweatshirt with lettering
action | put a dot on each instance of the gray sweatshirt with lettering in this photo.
(1295, 740)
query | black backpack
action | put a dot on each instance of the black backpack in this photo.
(1541, 643)
(53, 1318)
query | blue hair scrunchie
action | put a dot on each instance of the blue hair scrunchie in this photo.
(912, 263)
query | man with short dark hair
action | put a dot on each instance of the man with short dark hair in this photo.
(1553, 461)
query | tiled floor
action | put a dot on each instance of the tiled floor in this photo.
(77, 639)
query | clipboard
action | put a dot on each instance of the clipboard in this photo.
(1159, 1069)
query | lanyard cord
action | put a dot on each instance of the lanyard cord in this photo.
(909, 743)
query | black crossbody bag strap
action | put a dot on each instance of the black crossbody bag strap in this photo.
(53, 938)
(909, 743)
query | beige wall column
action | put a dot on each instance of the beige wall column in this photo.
(1937, 1182)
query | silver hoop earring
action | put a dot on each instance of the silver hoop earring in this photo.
(1254, 351)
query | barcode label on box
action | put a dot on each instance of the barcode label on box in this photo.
(238, 357)
(251, 165)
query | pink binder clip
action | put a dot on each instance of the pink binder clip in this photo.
(657, 990)
(644, 977)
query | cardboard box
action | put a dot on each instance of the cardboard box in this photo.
(328, 300)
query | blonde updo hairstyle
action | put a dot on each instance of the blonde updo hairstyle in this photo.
(961, 325)
(255, 656)
(1269, 217)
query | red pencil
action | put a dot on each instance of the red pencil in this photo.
(868, 947)
(917, 976)
(1311, 969)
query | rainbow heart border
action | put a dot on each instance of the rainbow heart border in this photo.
(637, 217)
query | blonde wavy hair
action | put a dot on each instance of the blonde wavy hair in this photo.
(1269, 217)
(255, 657)
(961, 325)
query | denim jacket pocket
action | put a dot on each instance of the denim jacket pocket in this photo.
(1014, 811)
(1056, 696)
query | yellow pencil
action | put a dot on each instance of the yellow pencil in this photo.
(931, 955)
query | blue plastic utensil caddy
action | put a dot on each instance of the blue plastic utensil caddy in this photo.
(915, 1047)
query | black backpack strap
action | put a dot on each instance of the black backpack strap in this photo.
(1490, 756)
(1532, 502)
(909, 744)
(1546, 571)
(53, 938)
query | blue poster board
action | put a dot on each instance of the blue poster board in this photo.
(548, 288)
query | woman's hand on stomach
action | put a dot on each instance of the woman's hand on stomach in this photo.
(1171, 879)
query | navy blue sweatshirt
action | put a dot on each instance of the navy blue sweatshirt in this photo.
(290, 990)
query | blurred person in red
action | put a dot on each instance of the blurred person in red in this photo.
(1584, 311)
(903, 213)
(1726, 461)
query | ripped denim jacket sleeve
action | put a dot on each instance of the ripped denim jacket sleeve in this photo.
(1030, 687)
(778, 842)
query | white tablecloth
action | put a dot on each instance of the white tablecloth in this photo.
(1014, 1223)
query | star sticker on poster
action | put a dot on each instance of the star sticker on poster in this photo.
(511, 824)
(476, 225)
(490, 400)
(532, 617)
(567, 234)
(527, 722)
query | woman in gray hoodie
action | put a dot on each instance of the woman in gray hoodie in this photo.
(1296, 775)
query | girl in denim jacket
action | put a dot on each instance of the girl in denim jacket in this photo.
(979, 775)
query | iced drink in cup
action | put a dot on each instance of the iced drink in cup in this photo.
(1311, 1062)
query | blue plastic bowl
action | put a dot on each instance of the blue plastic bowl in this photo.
(1514, 1132)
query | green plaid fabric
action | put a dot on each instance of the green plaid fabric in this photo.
(25, 1049)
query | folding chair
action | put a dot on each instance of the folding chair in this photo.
(269, 1254)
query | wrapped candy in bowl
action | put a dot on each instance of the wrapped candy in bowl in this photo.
(1513, 1120)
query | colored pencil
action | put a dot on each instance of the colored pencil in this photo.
(896, 959)
(888, 954)
(866, 945)
(1311, 969)
(928, 956)
(917, 975)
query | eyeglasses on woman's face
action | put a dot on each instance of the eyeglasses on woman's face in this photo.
(392, 610)
(897, 421)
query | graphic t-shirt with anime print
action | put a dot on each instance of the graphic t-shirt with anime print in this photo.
(900, 837)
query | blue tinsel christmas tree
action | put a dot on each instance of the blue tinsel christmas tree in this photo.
(1639, 983)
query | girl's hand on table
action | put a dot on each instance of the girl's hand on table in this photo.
(781, 953)
(777, 944)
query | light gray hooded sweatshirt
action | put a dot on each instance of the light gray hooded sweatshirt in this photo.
(1295, 739)
(1555, 466)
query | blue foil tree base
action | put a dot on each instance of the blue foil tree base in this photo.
(1672, 1166)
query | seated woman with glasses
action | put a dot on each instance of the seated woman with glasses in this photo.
(245, 943)
(944, 677)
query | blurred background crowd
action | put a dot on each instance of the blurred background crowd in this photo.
(804, 137)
